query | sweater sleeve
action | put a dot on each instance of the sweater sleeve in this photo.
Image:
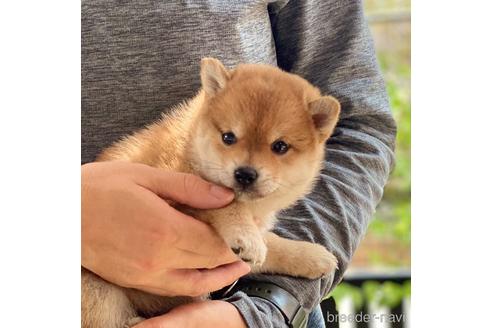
(329, 44)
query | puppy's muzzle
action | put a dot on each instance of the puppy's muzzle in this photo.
(245, 176)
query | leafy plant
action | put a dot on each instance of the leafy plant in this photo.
(347, 290)
(388, 293)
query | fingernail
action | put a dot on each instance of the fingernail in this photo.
(246, 267)
(221, 193)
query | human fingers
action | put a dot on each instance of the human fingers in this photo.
(198, 237)
(196, 282)
(186, 188)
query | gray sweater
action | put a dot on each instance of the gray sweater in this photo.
(139, 58)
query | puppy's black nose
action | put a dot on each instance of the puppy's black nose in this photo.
(245, 175)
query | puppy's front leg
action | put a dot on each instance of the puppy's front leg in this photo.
(237, 227)
(296, 258)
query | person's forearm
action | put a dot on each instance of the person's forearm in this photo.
(327, 42)
(257, 312)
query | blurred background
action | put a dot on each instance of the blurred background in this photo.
(378, 280)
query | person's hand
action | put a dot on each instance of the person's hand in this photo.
(132, 237)
(206, 314)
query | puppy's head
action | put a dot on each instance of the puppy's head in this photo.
(261, 131)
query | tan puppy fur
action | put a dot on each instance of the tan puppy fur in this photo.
(260, 105)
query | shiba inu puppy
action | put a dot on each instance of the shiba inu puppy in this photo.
(256, 130)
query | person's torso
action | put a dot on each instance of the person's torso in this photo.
(139, 58)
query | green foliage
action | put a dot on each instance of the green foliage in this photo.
(407, 289)
(388, 293)
(392, 294)
(372, 292)
(347, 290)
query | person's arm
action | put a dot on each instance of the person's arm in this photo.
(328, 43)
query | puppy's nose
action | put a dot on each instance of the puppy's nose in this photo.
(245, 175)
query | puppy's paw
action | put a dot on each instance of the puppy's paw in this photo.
(248, 244)
(316, 262)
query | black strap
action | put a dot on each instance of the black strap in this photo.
(295, 316)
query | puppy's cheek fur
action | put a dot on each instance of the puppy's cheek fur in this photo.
(227, 175)
(301, 171)
(268, 185)
(207, 160)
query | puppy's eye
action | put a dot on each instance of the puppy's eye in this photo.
(229, 138)
(280, 147)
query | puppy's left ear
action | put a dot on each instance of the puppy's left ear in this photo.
(325, 112)
(214, 76)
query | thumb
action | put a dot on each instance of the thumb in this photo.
(187, 189)
(191, 282)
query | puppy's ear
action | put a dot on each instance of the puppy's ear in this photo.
(325, 112)
(214, 75)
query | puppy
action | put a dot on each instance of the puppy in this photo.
(256, 130)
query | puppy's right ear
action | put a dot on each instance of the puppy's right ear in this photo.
(325, 112)
(214, 76)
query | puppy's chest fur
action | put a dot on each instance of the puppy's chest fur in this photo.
(164, 145)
